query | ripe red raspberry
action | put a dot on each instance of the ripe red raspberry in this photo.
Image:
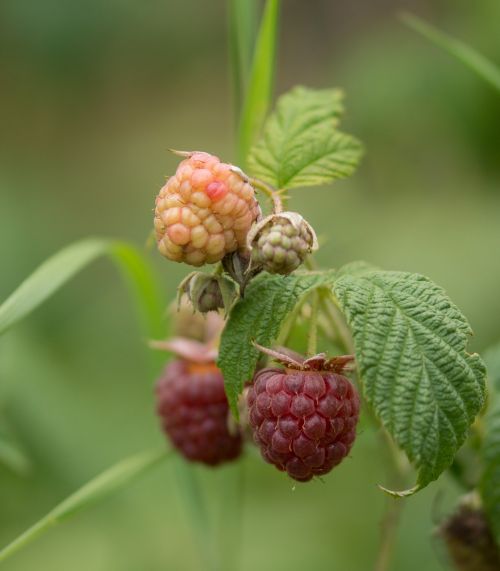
(204, 211)
(193, 408)
(304, 419)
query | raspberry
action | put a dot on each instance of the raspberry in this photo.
(204, 211)
(193, 408)
(281, 242)
(304, 420)
(468, 537)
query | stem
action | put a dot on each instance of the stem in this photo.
(290, 322)
(389, 527)
(390, 521)
(313, 331)
(271, 192)
(339, 326)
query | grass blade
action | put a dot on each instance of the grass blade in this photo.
(481, 65)
(260, 87)
(48, 278)
(106, 483)
(142, 283)
(64, 265)
(242, 27)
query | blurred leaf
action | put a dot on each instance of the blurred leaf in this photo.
(143, 286)
(258, 317)
(410, 343)
(197, 512)
(300, 145)
(106, 483)
(242, 26)
(490, 481)
(492, 360)
(11, 454)
(260, 86)
(458, 49)
(61, 267)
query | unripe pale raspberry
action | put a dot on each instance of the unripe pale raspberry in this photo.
(204, 211)
(281, 242)
(193, 408)
(304, 421)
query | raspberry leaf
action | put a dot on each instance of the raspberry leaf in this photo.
(301, 145)
(490, 481)
(258, 317)
(410, 343)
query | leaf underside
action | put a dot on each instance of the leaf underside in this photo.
(410, 343)
(258, 317)
(301, 145)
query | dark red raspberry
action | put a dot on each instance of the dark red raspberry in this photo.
(194, 412)
(303, 420)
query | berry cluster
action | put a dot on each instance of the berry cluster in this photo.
(303, 416)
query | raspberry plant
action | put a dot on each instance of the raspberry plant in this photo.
(397, 345)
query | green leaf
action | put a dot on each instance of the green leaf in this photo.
(242, 27)
(301, 145)
(475, 61)
(258, 317)
(410, 343)
(260, 87)
(106, 483)
(61, 267)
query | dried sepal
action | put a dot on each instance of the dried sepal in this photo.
(320, 362)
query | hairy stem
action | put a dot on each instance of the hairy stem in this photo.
(290, 321)
(338, 324)
(271, 192)
(313, 331)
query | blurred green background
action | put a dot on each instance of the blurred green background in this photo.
(91, 96)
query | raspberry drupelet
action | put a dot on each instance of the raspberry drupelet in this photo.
(304, 417)
(204, 211)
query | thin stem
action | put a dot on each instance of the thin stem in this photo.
(338, 323)
(290, 322)
(271, 192)
(389, 526)
(399, 468)
(313, 331)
